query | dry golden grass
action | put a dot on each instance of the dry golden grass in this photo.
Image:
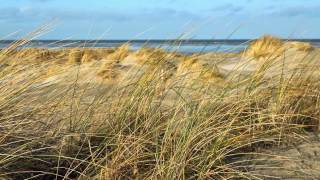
(269, 47)
(301, 46)
(120, 53)
(154, 56)
(195, 68)
(265, 47)
(72, 128)
(110, 70)
(75, 56)
(89, 55)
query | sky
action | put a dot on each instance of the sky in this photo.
(160, 19)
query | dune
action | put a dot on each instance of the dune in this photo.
(30, 55)
(265, 48)
(116, 113)
(270, 57)
(269, 47)
(301, 46)
(116, 62)
(209, 67)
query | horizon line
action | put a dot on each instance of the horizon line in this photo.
(153, 40)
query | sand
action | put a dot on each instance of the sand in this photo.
(112, 69)
(118, 66)
(299, 160)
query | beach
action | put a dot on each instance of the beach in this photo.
(148, 112)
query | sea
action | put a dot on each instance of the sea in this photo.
(184, 46)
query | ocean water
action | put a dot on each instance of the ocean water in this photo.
(184, 46)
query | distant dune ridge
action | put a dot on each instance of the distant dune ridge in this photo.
(272, 47)
(263, 57)
(116, 113)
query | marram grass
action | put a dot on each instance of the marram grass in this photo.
(166, 120)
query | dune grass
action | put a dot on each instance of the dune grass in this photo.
(149, 127)
(265, 47)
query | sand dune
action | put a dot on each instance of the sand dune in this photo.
(265, 57)
(149, 113)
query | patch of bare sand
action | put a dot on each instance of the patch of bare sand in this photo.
(299, 160)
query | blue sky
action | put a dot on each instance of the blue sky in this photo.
(158, 19)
